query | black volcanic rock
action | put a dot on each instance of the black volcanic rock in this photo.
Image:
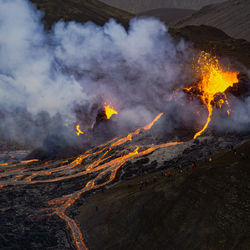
(137, 6)
(80, 11)
(215, 41)
(231, 16)
(168, 15)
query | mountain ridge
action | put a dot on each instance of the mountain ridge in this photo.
(233, 17)
(137, 6)
(80, 11)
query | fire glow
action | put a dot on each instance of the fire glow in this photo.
(109, 111)
(79, 131)
(214, 81)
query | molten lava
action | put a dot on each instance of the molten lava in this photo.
(150, 125)
(94, 164)
(78, 130)
(109, 111)
(214, 81)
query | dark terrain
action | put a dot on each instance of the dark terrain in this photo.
(202, 37)
(162, 200)
(167, 15)
(205, 207)
(137, 6)
(233, 17)
(80, 11)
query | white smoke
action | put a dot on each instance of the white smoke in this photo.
(76, 64)
(81, 65)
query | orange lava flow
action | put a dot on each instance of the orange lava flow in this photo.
(109, 111)
(136, 132)
(100, 165)
(76, 232)
(150, 125)
(214, 80)
(79, 131)
(29, 161)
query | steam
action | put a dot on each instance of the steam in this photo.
(51, 80)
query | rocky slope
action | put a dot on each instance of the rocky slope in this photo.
(179, 208)
(137, 6)
(216, 42)
(80, 11)
(203, 37)
(168, 15)
(233, 17)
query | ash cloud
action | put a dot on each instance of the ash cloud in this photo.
(51, 80)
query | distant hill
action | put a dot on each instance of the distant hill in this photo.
(203, 37)
(233, 17)
(80, 11)
(138, 6)
(213, 40)
(168, 15)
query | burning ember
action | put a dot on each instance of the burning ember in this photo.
(78, 130)
(109, 111)
(212, 86)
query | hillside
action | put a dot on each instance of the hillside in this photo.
(80, 11)
(200, 208)
(168, 15)
(215, 41)
(138, 6)
(233, 17)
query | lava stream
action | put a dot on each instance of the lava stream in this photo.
(102, 163)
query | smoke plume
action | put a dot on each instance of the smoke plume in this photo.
(51, 80)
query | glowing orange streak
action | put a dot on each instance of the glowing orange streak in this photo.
(75, 230)
(130, 136)
(127, 138)
(4, 164)
(78, 130)
(149, 126)
(29, 161)
(210, 111)
(97, 162)
(79, 160)
(110, 166)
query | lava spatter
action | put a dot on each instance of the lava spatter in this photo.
(214, 80)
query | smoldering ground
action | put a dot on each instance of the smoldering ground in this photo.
(51, 80)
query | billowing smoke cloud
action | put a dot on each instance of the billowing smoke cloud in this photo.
(45, 77)
(75, 65)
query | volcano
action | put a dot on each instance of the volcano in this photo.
(153, 152)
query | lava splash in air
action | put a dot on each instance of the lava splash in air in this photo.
(213, 84)
(109, 111)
